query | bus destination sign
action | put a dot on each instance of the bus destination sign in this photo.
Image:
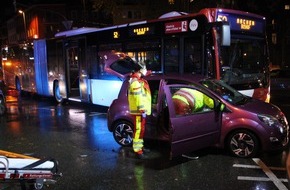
(141, 31)
(240, 23)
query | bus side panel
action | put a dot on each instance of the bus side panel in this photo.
(103, 92)
(40, 64)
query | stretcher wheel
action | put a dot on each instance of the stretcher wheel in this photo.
(38, 184)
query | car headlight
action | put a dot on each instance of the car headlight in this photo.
(269, 120)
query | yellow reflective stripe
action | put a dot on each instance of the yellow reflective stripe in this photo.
(186, 93)
(138, 127)
(134, 93)
(180, 98)
(141, 106)
(137, 142)
(137, 145)
(136, 88)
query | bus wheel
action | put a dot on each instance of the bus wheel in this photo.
(2, 106)
(17, 84)
(56, 92)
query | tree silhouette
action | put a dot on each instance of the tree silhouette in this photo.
(108, 6)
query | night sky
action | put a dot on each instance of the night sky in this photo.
(268, 8)
(9, 7)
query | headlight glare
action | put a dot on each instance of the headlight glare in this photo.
(269, 120)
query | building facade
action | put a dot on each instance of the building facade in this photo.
(39, 21)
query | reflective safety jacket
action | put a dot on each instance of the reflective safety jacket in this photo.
(193, 98)
(139, 96)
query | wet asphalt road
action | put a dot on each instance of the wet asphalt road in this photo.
(89, 158)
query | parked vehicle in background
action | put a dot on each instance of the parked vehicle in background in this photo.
(18, 67)
(243, 125)
(280, 84)
(2, 97)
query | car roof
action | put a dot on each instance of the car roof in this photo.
(176, 76)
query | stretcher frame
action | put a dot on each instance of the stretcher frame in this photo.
(28, 171)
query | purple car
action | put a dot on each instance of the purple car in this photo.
(243, 125)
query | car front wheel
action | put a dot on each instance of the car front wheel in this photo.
(243, 144)
(123, 133)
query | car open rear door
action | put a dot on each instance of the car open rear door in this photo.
(118, 63)
(190, 132)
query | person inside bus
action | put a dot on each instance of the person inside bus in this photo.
(139, 98)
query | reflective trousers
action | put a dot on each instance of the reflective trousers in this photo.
(139, 129)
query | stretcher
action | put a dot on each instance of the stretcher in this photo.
(28, 172)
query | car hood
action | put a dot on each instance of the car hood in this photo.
(260, 107)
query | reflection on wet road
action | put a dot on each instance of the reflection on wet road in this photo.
(89, 158)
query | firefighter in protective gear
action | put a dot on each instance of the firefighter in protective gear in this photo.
(139, 98)
(187, 101)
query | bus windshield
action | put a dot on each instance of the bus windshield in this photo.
(243, 64)
(225, 91)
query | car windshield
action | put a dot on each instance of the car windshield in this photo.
(226, 92)
(244, 63)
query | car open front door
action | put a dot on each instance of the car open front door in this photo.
(192, 130)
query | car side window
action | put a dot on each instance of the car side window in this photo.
(154, 88)
(189, 101)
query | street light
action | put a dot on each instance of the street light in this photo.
(24, 22)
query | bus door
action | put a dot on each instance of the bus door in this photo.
(83, 71)
(77, 77)
(73, 66)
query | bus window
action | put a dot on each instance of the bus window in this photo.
(73, 58)
(192, 56)
(146, 53)
(171, 49)
(108, 46)
(93, 60)
(210, 62)
(150, 58)
(244, 63)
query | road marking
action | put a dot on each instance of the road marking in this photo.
(267, 170)
(248, 178)
(270, 174)
(257, 167)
